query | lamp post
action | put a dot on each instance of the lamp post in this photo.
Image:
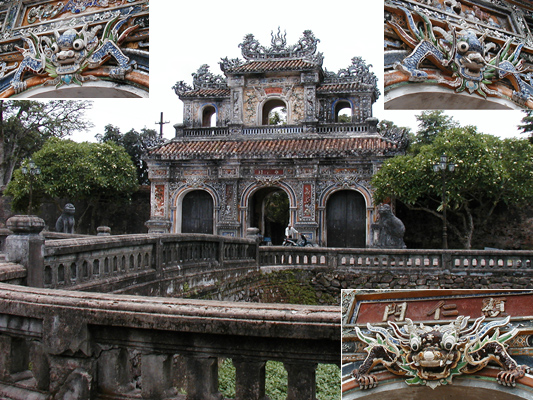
(443, 166)
(31, 170)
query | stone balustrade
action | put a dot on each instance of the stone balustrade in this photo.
(143, 264)
(206, 132)
(481, 261)
(273, 129)
(79, 345)
(341, 128)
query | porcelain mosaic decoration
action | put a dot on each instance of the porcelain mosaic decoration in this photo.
(480, 49)
(59, 44)
(433, 355)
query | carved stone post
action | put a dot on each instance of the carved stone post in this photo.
(202, 379)
(249, 380)
(301, 381)
(25, 246)
(5, 357)
(113, 371)
(156, 371)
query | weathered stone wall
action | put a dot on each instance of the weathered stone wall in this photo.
(71, 345)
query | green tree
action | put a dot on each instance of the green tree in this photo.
(431, 124)
(135, 143)
(94, 172)
(527, 124)
(489, 171)
(26, 125)
(278, 116)
(344, 119)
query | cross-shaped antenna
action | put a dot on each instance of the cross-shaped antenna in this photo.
(161, 123)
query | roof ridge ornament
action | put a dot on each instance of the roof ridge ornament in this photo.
(205, 79)
(306, 48)
(357, 72)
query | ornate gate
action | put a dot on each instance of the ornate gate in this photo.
(346, 219)
(197, 213)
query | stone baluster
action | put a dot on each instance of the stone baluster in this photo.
(202, 378)
(25, 246)
(114, 372)
(301, 381)
(157, 376)
(249, 379)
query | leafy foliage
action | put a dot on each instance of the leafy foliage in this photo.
(135, 143)
(26, 125)
(278, 116)
(277, 207)
(76, 171)
(527, 124)
(327, 380)
(431, 124)
(488, 171)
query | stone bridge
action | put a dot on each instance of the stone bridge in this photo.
(113, 342)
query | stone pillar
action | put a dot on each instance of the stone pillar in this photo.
(5, 358)
(202, 379)
(158, 226)
(103, 231)
(249, 380)
(26, 246)
(156, 372)
(301, 381)
(40, 368)
(114, 372)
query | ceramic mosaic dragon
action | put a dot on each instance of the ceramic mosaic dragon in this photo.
(65, 56)
(432, 355)
(466, 54)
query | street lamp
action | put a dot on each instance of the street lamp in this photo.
(443, 166)
(31, 170)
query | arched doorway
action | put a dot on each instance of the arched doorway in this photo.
(197, 213)
(346, 219)
(274, 106)
(343, 112)
(269, 211)
(209, 117)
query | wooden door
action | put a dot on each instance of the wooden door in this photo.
(346, 219)
(197, 213)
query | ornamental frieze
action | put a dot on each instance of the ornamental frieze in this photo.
(472, 49)
(426, 338)
(51, 10)
(432, 355)
(54, 50)
(305, 48)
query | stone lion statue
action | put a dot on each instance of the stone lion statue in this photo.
(390, 230)
(65, 222)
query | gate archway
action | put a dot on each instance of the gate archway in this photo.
(269, 211)
(197, 212)
(346, 219)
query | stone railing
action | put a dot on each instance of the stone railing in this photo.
(206, 132)
(267, 130)
(273, 130)
(342, 128)
(56, 343)
(463, 262)
(144, 264)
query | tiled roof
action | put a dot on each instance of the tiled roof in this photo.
(282, 65)
(207, 93)
(284, 148)
(343, 87)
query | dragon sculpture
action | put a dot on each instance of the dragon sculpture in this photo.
(472, 62)
(432, 355)
(67, 55)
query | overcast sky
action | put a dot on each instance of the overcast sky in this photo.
(185, 35)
